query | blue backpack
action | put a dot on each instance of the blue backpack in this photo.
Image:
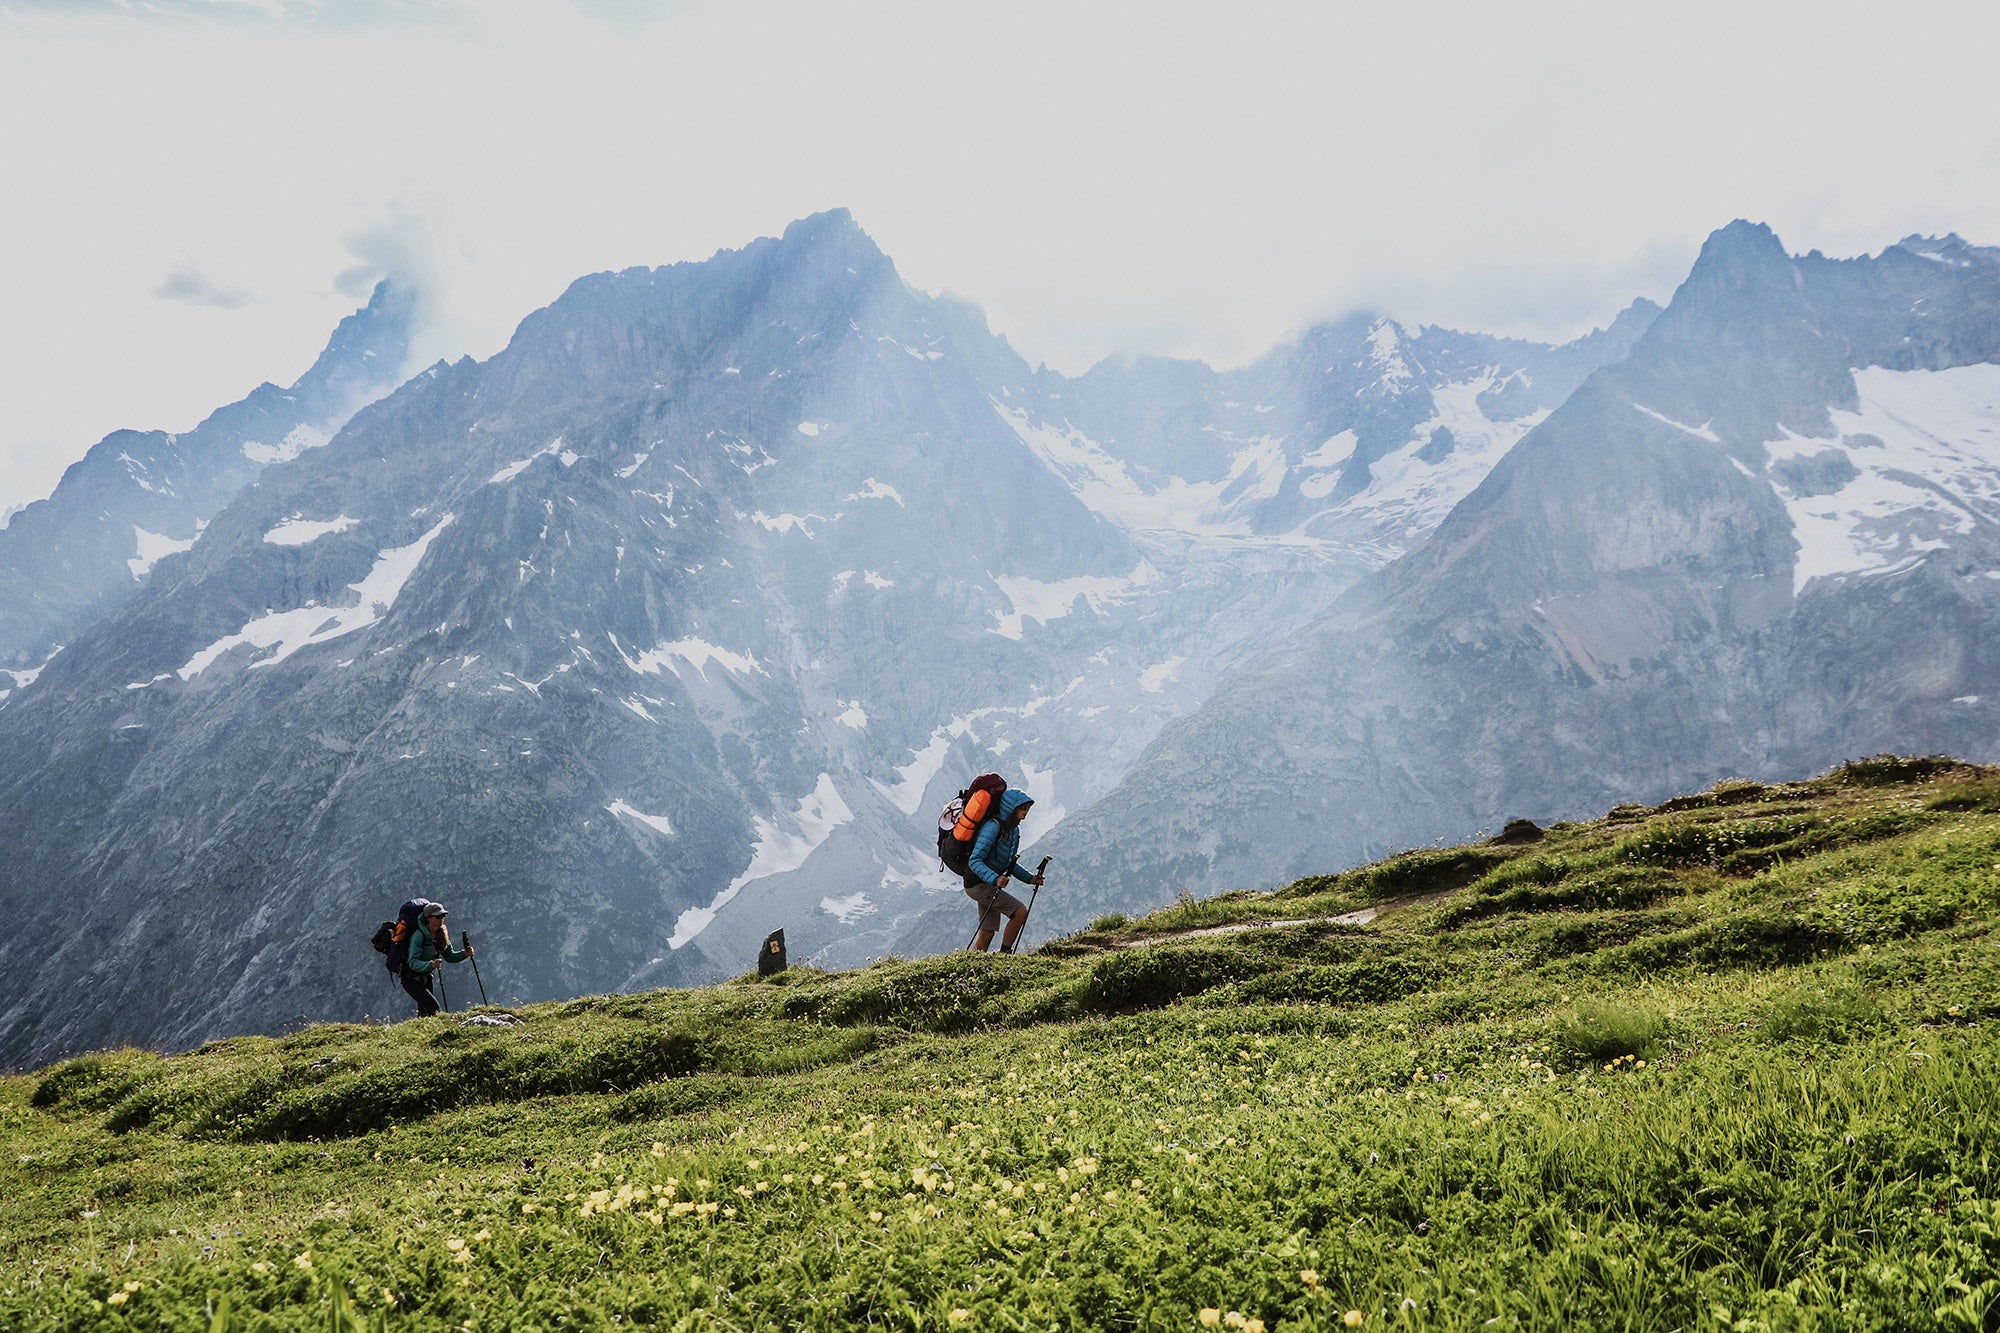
(393, 937)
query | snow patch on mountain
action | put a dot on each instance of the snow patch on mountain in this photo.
(1919, 458)
(296, 531)
(847, 910)
(780, 847)
(1410, 489)
(872, 489)
(914, 778)
(697, 653)
(1701, 432)
(152, 548)
(1385, 353)
(282, 633)
(25, 677)
(626, 810)
(1040, 785)
(1154, 678)
(297, 440)
(515, 469)
(1041, 602)
(1257, 471)
(783, 523)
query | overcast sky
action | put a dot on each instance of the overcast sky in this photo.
(192, 192)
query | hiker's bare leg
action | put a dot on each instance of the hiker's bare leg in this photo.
(1014, 924)
(982, 941)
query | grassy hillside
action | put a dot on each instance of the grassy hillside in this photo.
(1726, 1063)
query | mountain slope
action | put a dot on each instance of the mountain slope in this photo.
(674, 623)
(139, 496)
(1748, 1016)
(1763, 541)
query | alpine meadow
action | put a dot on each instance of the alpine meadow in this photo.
(1725, 1062)
(767, 667)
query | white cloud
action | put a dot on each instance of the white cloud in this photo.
(185, 281)
(1174, 177)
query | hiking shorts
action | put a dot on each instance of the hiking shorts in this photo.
(994, 903)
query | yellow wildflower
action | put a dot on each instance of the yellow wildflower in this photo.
(1352, 1319)
(959, 1315)
(1209, 1316)
(455, 1244)
(117, 1298)
(1310, 1276)
(303, 1261)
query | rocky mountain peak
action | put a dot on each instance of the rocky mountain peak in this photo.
(367, 351)
(1743, 257)
(1951, 250)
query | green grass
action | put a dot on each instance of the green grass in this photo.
(1728, 1063)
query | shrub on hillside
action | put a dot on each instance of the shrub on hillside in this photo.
(1823, 1015)
(954, 992)
(1893, 770)
(1147, 978)
(1374, 981)
(94, 1082)
(1748, 939)
(1602, 1032)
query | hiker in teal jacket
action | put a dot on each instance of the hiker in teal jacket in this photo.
(991, 864)
(426, 956)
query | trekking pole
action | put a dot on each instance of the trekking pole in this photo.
(444, 999)
(467, 937)
(1040, 871)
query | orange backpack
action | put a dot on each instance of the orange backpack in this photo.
(959, 824)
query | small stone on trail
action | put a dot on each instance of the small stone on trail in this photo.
(491, 1021)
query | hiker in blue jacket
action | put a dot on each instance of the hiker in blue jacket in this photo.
(992, 864)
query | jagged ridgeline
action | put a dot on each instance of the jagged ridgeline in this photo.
(1766, 540)
(673, 624)
(1731, 1057)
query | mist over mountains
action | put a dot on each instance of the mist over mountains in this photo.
(675, 621)
(1762, 543)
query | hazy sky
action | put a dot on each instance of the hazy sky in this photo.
(192, 192)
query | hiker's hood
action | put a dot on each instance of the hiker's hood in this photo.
(1011, 801)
